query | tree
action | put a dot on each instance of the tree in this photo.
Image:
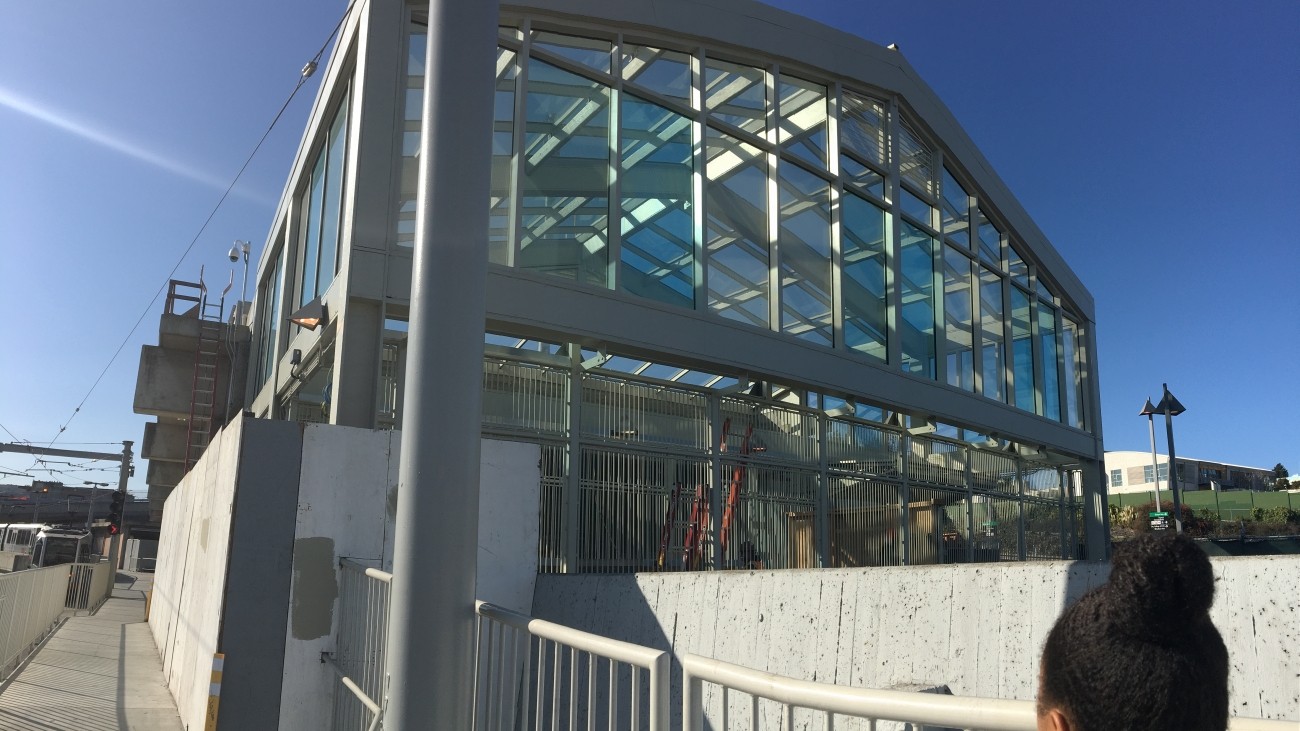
(1280, 476)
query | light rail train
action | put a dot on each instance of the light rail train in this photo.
(48, 545)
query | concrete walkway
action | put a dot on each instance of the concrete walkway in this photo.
(97, 673)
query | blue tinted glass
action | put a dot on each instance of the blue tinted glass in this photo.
(659, 70)
(805, 201)
(311, 231)
(565, 190)
(1051, 379)
(1022, 350)
(736, 229)
(658, 249)
(916, 326)
(331, 211)
(863, 272)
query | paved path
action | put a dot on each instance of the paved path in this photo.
(97, 673)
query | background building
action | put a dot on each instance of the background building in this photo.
(1128, 472)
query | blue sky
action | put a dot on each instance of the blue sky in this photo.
(1156, 144)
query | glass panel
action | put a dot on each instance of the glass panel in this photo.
(332, 211)
(311, 232)
(736, 230)
(803, 118)
(992, 371)
(856, 175)
(805, 275)
(1022, 350)
(862, 121)
(990, 242)
(565, 191)
(591, 52)
(736, 94)
(404, 235)
(917, 208)
(659, 70)
(658, 251)
(955, 206)
(1044, 293)
(503, 148)
(957, 307)
(863, 277)
(270, 313)
(914, 159)
(1017, 267)
(1051, 379)
(1069, 357)
(917, 323)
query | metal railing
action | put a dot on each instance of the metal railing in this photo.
(775, 701)
(89, 585)
(361, 646)
(531, 673)
(31, 603)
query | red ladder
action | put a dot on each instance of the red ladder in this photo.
(203, 388)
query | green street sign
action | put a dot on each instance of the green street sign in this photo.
(1157, 515)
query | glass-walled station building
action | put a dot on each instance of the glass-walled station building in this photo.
(755, 293)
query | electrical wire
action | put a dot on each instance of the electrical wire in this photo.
(307, 71)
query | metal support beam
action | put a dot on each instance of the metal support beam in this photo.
(431, 624)
(49, 452)
(115, 552)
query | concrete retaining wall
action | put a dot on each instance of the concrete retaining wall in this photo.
(248, 559)
(978, 629)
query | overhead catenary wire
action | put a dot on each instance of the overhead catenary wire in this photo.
(307, 71)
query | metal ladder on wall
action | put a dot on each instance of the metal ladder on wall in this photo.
(207, 360)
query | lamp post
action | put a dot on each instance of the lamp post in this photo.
(90, 509)
(1149, 412)
(238, 250)
(1171, 408)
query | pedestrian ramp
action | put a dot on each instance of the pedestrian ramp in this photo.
(95, 673)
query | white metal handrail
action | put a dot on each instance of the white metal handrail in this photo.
(89, 585)
(361, 645)
(504, 665)
(985, 714)
(31, 604)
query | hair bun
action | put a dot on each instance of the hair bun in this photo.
(1162, 578)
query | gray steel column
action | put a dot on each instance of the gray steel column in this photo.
(431, 619)
(124, 470)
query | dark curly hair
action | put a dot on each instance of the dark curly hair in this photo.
(1140, 652)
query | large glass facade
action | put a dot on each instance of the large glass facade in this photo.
(784, 202)
(321, 204)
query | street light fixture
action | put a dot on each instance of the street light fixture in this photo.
(90, 509)
(1149, 412)
(1171, 407)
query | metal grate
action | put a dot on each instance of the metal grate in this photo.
(623, 509)
(779, 432)
(864, 522)
(992, 472)
(862, 449)
(774, 524)
(638, 413)
(936, 462)
(525, 397)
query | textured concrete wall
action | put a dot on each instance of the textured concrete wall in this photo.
(346, 507)
(346, 476)
(190, 575)
(978, 629)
